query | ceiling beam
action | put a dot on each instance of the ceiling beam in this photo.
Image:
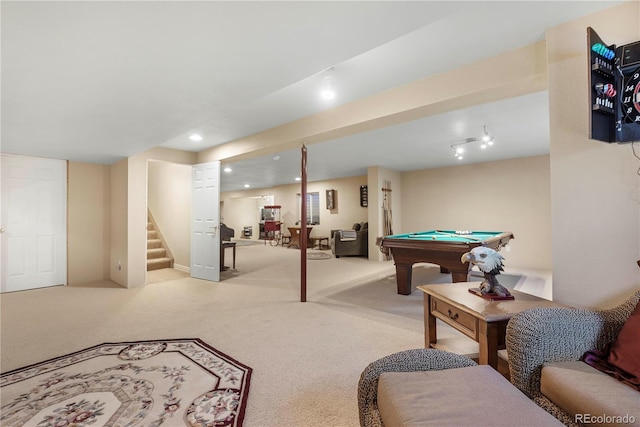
(515, 73)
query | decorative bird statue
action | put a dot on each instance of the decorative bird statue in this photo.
(490, 263)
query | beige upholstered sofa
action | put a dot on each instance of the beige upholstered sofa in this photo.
(545, 346)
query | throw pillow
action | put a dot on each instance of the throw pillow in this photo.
(621, 359)
(356, 226)
(625, 350)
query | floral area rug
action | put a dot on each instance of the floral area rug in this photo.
(145, 383)
(318, 255)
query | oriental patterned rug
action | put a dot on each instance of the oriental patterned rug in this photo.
(145, 383)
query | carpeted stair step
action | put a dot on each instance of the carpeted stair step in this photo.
(154, 243)
(158, 263)
(156, 253)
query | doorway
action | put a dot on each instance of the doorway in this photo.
(171, 197)
(169, 201)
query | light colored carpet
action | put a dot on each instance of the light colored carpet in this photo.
(306, 357)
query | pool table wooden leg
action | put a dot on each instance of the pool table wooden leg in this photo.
(459, 276)
(403, 278)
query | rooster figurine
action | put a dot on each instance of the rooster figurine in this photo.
(490, 263)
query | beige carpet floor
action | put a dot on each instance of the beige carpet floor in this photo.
(307, 357)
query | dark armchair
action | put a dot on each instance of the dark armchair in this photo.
(354, 242)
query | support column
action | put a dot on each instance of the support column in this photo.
(303, 226)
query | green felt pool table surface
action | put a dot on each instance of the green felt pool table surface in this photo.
(449, 235)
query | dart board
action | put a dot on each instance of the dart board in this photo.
(631, 97)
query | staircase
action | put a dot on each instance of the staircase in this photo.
(157, 254)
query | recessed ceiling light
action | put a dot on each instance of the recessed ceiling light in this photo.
(247, 186)
(276, 157)
(227, 169)
(298, 178)
(195, 137)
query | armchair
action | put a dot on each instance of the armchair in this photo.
(546, 344)
(354, 242)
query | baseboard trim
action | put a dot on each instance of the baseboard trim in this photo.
(182, 268)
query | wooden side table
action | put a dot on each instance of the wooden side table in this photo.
(295, 236)
(318, 241)
(480, 319)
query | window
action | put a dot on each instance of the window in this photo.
(313, 208)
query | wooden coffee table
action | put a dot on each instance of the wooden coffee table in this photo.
(482, 320)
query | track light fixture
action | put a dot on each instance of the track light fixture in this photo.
(486, 140)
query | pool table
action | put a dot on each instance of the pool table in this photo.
(442, 247)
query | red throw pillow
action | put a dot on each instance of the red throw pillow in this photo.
(625, 351)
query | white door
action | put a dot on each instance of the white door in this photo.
(33, 218)
(205, 224)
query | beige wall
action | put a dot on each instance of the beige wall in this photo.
(118, 262)
(526, 214)
(88, 222)
(595, 187)
(512, 195)
(507, 195)
(169, 200)
(241, 208)
(240, 212)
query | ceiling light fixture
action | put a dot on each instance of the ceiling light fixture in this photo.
(485, 141)
(195, 137)
(328, 87)
(228, 169)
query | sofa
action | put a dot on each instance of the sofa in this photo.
(545, 348)
(431, 387)
(550, 384)
(352, 242)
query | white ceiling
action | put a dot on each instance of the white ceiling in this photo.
(101, 81)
